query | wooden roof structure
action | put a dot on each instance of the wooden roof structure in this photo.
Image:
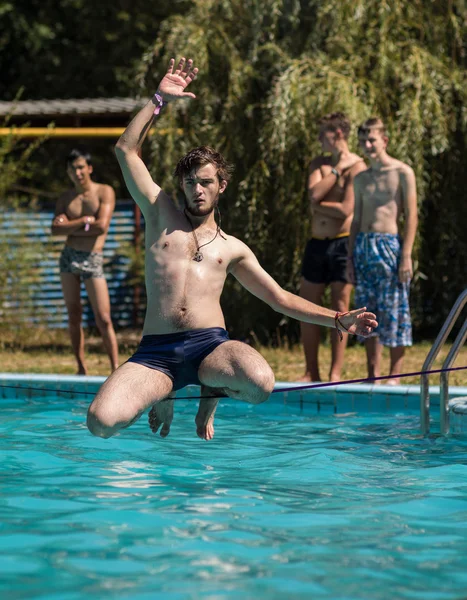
(86, 117)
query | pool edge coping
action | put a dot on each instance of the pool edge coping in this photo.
(89, 384)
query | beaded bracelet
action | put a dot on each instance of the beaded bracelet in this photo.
(159, 102)
(337, 322)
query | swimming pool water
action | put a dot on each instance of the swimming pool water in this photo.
(279, 505)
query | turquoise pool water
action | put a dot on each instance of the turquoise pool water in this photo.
(281, 504)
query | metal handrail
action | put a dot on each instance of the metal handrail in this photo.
(439, 342)
(444, 379)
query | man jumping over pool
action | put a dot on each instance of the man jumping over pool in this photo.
(188, 258)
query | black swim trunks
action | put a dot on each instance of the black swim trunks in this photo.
(180, 354)
(325, 261)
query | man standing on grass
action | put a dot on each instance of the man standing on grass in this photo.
(325, 262)
(83, 214)
(380, 259)
(188, 257)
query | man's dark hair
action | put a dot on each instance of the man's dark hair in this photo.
(372, 123)
(78, 153)
(201, 156)
(335, 121)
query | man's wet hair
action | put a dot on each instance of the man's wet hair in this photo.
(334, 121)
(78, 153)
(201, 156)
(372, 123)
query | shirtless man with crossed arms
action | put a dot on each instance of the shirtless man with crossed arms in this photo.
(83, 214)
(325, 258)
(188, 259)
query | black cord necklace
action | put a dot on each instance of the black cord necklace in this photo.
(198, 256)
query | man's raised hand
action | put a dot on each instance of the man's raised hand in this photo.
(174, 82)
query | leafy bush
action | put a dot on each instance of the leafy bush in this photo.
(268, 71)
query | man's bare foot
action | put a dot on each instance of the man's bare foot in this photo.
(82, 371)
(205, 418)
(162, 413)
(307, 378)
(393, 381)
(207, 407)
(373, 379)
(333, 377)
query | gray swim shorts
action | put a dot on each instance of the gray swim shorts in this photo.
(85, 264)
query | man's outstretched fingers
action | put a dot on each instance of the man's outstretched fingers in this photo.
(187, 68)
(191, 76)
(180, 65)
(170, 68)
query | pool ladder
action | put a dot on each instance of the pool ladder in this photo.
(444, 378)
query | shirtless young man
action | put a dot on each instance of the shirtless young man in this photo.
(380, 260)
(187, 261)
(325, 259)
(83, 214)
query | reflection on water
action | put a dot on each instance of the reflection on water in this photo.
(277, 505)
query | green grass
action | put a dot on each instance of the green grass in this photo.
(42, 351)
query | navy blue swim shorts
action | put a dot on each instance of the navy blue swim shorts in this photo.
(180, 354)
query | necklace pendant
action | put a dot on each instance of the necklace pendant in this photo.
(198, 257)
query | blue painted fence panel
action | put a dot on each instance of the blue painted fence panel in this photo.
(40, 298)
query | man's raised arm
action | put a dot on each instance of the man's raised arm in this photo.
(137, 178)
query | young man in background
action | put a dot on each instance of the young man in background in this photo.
(325, 261)
(380, 258)
(83, 214)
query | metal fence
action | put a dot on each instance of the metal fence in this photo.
(37, 297)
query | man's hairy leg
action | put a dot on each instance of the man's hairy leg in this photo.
(124, 396)
(311, 334)
(71, 288)
(236, 370)
(98, 294)
(340, 300)
(397, 359)
(207, 407)
(374, 351)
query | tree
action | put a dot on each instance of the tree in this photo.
(20, 257)
(75, 48)
(269, 70)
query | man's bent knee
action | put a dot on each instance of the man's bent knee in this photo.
(262, 387)
(105, 425)
(103, 320)
(97, 427)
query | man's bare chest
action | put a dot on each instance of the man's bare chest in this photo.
(205, 251)
(382, 189)
(80, 206)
